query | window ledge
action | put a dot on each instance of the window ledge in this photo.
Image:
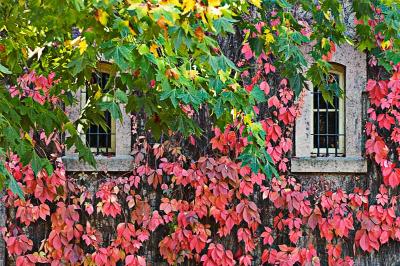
(356, 164)
(119, 163)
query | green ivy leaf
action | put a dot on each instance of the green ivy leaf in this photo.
(4, 70)
(258, 94)
(36, 163)
(121, 96)
(78, 4)
(113, 108)
(219, 108)
(224, 24)
(14, 187)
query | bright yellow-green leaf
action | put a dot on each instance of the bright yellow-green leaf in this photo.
(257, 3)
(269, 37)
(28, 138)
(102, 16)
(188, 5)
(153, 49)
(82, 46)
(185, 26)
(247, 119)
(324, 42)
(214, 3)
(386, 44)
(98, 94)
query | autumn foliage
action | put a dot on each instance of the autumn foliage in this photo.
(213, 210)
(208, 202)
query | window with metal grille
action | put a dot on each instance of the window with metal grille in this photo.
(101, 140)
(328, 119)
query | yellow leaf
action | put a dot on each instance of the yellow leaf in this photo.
(324, 42)
(269, 37)
(170, 2)
(102, 16)
(153, 49)
(222, 76)
(82, 46)
(214, 3)
(257, 3)
(29, 138)
(386, 44)
(247, 119)
(327, 15)
(122, 254)
(185, 26)
(193, 74)
(24, 52)
(126, 24)
(188, 5)
(98, 94)
(203, 18)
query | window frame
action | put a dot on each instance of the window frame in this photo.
(122, 160)
(303, 161)
(341, 72)
(100, 150)
(102, 68)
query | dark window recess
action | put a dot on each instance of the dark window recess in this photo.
(327, 137)
(98, 139)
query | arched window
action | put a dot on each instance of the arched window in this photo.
(100, 138)
(328, 135)
(111, 142)
(329, 117)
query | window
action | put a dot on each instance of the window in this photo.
(114, 138)
(101, 139)
(328, 134)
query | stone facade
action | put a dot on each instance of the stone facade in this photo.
(121, 162)
(355, 65)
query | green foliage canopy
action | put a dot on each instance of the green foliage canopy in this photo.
(165, 54)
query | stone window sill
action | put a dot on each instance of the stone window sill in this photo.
(356, 164)
(119, 163)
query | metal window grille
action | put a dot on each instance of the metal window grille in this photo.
(100, 140)
(328, 122)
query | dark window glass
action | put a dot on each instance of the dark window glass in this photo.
(98, 138)
(326, 124)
